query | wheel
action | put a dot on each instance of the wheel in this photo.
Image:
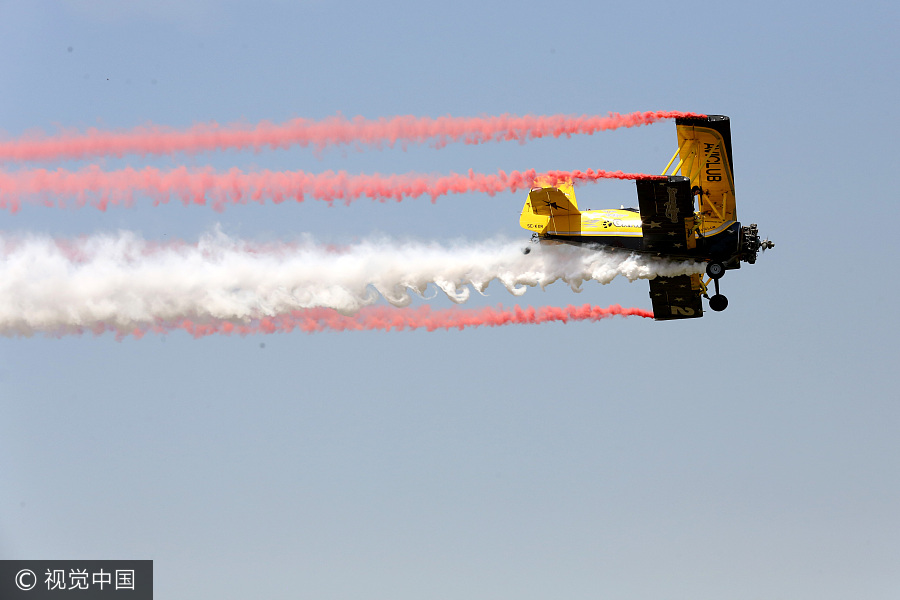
(526, 250)
(718, 303)
(715, 270)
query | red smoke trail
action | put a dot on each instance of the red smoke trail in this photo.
(239, 187)
(152, 139)
(386, 318)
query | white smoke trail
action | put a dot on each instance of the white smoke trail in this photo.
(121, 281)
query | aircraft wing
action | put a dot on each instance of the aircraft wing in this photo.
(676, 297)
(704, 145)
(667, 215)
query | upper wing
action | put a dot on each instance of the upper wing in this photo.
(704, 147)
(667, 215)
(676, 297)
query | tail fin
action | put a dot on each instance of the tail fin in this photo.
(551, 209)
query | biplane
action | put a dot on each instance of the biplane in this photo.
(687, 216)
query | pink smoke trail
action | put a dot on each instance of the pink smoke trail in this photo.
(383, 318)
(332, 131)
(238, 187)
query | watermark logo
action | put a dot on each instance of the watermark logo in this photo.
(26, 579)
(76, 579)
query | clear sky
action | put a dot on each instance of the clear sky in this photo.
(750, 454)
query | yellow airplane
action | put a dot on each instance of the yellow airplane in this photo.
(691, 215)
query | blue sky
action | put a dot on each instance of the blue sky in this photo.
(752, 453)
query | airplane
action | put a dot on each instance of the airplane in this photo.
(687, 216)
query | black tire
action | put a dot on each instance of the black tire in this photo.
(526, 250)
(718, 303)
(715, 270)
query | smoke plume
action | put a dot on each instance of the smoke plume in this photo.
(122, 283)
(332, 131)
(100, 188)
(383, 318)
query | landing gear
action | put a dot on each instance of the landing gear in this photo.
(718, 302)
(715, 270)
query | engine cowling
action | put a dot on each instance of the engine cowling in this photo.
(751, 244)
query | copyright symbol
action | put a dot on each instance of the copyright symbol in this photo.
(21, 576)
